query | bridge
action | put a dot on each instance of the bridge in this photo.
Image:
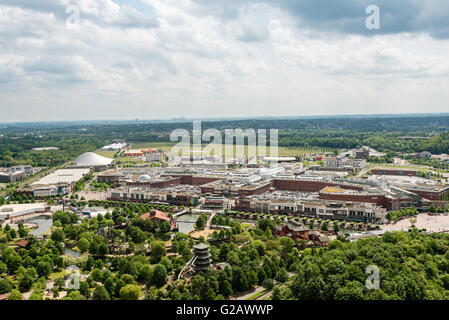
(186, 221)
(179, 214)
(187, 264)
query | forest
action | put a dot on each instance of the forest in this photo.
(405, 134)
(412, 265)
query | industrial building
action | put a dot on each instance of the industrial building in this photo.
(181, 195)
(394, 172)
(16, 211)
(17, 173)
(59, 182)
(344, 163)
(114, 147)
(340, 210)
(9, 176)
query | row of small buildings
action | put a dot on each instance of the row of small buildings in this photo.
(321, 198)
(16, 173)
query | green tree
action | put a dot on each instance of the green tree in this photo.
(83, 244)
(352, 291)
(226, 288)
(146, 274)
(84, 289)
(15, 295)
(101, 293)
(268, 284)
(130, 292)
(158, 250)
(281, 275)
(43, 269)
(159, 275)
(36, 295)
(25, 283)
(166, 263)
(89, 263)
(58, 235)
(5, 286)
(3, 268)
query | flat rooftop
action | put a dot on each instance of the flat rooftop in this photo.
(19, 209)
(62, 176)
(337, 190)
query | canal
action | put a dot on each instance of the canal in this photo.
(44, 224)
(186, 222)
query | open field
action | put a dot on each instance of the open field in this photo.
(419, 168)
(153, 145)
(106, 154)
(211, 149)
(403, 167)
(57, 275)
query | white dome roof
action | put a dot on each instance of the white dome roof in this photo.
(92, 159)
(144, 177)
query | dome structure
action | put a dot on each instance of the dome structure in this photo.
(144, 177)
(92, 160)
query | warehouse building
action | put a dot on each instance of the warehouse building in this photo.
(59, 182)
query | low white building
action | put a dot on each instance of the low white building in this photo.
(63, 176)
(114, 147)
(337, 162)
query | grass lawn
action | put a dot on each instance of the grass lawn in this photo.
(153, 145)
(125, 160)
(106, 154)
(57, 275)
(282, 151)
(419, 168)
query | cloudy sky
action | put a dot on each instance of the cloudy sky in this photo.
(151, 59)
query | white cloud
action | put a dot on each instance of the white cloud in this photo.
(165, 58)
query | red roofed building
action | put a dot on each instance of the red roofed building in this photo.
(21, 244)
(157, 215)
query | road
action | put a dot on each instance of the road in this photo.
(246, 294)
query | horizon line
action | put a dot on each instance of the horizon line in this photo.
(260, 117)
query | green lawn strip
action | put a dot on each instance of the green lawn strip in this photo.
(257, 295)
(57, 275)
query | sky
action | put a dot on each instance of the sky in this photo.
(159, 59)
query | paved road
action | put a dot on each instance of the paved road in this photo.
(247, 294)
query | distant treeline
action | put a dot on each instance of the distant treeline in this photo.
(382, 133)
